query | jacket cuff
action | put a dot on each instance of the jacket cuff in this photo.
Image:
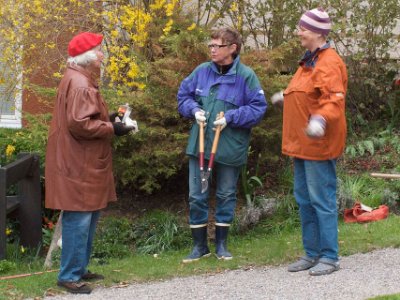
(228, 117)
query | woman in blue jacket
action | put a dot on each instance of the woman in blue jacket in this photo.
(226, 85)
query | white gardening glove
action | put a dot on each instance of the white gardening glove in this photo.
(277, 98)
(133, 123)
(200, 117)
(316, 126)
(221, 121)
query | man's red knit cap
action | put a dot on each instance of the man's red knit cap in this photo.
(83, 42)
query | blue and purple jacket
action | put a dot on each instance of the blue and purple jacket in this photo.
(238, 94)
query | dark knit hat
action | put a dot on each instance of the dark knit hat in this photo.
(83, 42)
(316, 20)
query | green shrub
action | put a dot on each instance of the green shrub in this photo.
(7, 149)
(6, 266)
(113, 239)
(146, 161)
(392, 200)
(367, 147)
(32, 138)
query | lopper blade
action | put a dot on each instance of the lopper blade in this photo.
(204, 181)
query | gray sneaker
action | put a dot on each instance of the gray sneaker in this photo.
(325, 266)
(304, 263)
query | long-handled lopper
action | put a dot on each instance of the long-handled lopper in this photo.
(206, 174)
(201, 152)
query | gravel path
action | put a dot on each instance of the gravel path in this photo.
(361, 276)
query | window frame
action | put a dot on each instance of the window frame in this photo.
(14, 120)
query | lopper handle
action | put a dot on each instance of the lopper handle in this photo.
(217, 134)
(215, 142)
(201, 145)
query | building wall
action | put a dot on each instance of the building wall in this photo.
(35, 101)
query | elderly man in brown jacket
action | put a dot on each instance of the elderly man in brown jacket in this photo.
(79, 178)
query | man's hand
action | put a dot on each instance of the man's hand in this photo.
(221, 121)
(121, 129)
(316, 126)
(200, 117)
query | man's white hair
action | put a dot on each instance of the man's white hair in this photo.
(84, 59)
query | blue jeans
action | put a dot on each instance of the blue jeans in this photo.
(227, 178)
(78, 229)
(315, 193)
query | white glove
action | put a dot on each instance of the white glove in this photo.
(200, 116)
(133, 123)
(316, 126)
(277, 98)
(221, 122)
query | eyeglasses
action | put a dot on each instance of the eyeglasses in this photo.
(216, 47)
(301, 29)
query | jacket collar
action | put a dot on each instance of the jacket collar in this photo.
(310, 58)
(232, 70)
(84, 72)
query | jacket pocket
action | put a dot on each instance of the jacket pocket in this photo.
(233, 146)
(229, 95)
(99, 155)
(70, 156)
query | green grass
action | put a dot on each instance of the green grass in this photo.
(260, 246)
(387, 297)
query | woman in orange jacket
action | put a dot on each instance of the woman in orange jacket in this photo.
(314, 133)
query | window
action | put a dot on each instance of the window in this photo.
(10, 98)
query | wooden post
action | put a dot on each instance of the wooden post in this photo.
(384, 175)
(3, 213)
(30, 209)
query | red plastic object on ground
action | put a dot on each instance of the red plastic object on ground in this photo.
(362, 214)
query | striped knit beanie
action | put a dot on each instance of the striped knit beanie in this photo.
(316, 20)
